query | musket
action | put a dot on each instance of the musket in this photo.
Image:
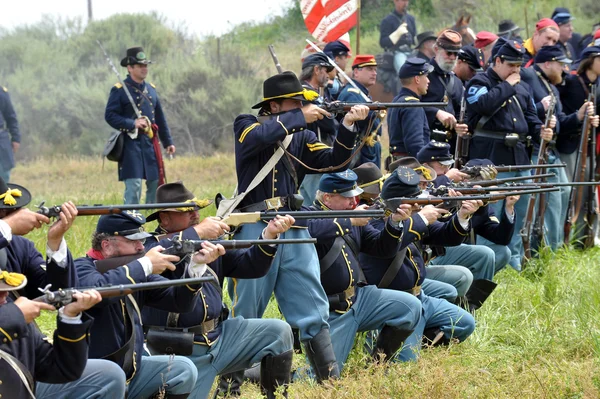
(337, 106)
(591, 214)
(444, 190)
(452, 202)
(93, 210)
(183, 248)
(576, 196)
(533, 227)
(236, 219)
(63, 297)
(475, 170)
(461, 151)
(495, 182)
(275, 60)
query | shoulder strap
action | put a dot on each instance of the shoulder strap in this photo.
(393, 269)
(486, 119)
(585, 89)
(227, 206)
(21, 371)
(332, 254)
(125, 353)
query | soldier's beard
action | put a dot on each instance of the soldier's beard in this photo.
(447, 66)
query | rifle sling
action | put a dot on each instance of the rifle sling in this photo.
(334, 253)
(393, 269)
(21, 370)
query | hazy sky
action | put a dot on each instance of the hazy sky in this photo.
(192, 13)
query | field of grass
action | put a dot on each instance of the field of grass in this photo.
(538, 336)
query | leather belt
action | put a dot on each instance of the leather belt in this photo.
(489, 134)
(266, 205)
(416, 291)
(340, 301)
(204, 328)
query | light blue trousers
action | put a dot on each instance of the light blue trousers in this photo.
(479, 259)
(439, 289)
(179, 375)
(309, 187)
(242, 343)
(133, 191)
(457, 276)
(100, 379)
(294, 277)
(437, 313)
(374, 308)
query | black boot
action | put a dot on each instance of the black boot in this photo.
(321, 357)
(480, 291)
(390, 339)
(229, 384)
(275, 372)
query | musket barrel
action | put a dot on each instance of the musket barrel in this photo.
(91, 210)
(495, 182)
(324, 214)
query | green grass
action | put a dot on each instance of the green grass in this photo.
(538, 336)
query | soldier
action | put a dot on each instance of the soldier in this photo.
(469, 61)
(408, 127)
(340, 54)
(294, 273)
(445, 86)
(546, 34)
(563, 19)
(117, 334)
(424, 48)
(509, 30)
(397, 33)
(10, 139)
(223, 345)
(404, 270)
(485, 41)
(501, 113)
(142, 153)
(353, 305)
(364, 75)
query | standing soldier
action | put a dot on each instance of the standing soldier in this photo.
(424, 48)
(563, 19)
(9, 140)
(546, 34)
(502, 117)
(397, 33)
(485, 41)
(142, 157)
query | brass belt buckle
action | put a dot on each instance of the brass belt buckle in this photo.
(274, 204)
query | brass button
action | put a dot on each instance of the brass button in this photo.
(301, 128)
(275, 171)
(337, 233)
(510, 101)
(343, 246)
(15, 335)
(4, 340)
(293, 130)
(275, 189)
(275, 180)
(514, 119)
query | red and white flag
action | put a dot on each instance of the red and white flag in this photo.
(327, 20)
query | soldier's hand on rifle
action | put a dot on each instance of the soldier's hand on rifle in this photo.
(587, 107)
(488, 172)
(403, 212)
(23, 221)
(31, 309)
(446, 119)
(276, 226)
(83, 301)
(209, 253)
(211, 228)
(141, 123)
(546, 102)
(513, 78)
(456, 175)
(57, 231)
(546, 134)
(160, 261)
(360, 221)
(432, 213)
(313, 113)
(509, 204)
(469, 207)
(552, 123)
(461, 129)
(356, 113)
(595, 120)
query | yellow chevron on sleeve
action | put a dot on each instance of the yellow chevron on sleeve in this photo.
(494, 219)
(247, 130)
(317, 146)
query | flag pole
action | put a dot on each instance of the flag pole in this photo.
(357, 26)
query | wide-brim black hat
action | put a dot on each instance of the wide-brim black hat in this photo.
(507, 26)
(425, 36)
(135, 55)
(370, 177)
(176, 192)
(284, 86)
(13, 196)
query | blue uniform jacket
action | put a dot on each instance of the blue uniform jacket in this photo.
(415, 233)
(9, 130)
(57, 363)
(252, 262)
(486, 224)
(573, 93)
(139, 159)
(564, 123)
(109, 332)
(489, 96)
(351, 95)
(24, 258)
(345, 270)
(255, 143)
(408, 127)
(452, 92)
(390, 23)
